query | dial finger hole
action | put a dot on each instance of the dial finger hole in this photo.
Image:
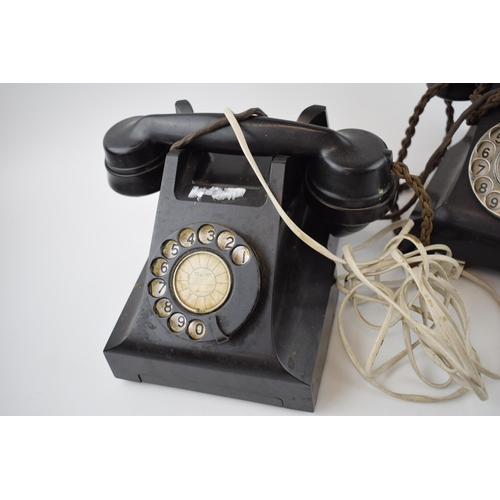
(486, 149)
(157, 288)
(177, 322)
(206, 234)
(159, 267)
(163, 308)
(483, 185)
(480, 167)
(240, 255)
(170, 249)
(225, 240)
(493, 201)
(196, 329)
(495, 135)
(187, 237)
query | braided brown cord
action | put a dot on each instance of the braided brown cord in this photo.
(449, 115)
(419, 109)
(221, 122)
(481, 88)
(431, 92)
(402, 172)
(491, 102)
(490, 99)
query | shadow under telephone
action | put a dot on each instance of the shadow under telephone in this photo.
(229, 301)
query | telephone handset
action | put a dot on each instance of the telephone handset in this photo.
(230, 302)
(465, 189)
(349, 177)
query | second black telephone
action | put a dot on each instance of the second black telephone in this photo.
(465, 189)
(230, 301)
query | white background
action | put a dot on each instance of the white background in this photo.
(72, 248)
(56, 209)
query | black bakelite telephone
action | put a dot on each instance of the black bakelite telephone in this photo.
(230, 301)
(465, 189)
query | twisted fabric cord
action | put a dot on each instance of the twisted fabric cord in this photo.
(419, 109)
(481, 88)
(449, 115)
(490, 99)
(402, 172)
(211, 127)
(492, 102)
(410, 132)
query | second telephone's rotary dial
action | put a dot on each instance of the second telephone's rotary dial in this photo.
(203, 282)
(484, 170)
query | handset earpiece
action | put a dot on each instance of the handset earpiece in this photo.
(349, 181)
(455, 91)
(355, 186)
(134, 164)
(135, 167)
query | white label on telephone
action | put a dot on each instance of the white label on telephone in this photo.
(217, 193)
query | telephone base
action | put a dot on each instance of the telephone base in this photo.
(268, 341)
(259, 377)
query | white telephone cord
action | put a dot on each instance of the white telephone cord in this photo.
(425, 291)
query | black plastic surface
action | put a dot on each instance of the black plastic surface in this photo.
(456, 91)
(277, 356)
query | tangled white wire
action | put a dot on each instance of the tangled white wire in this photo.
(443, 330)
(426, 291)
